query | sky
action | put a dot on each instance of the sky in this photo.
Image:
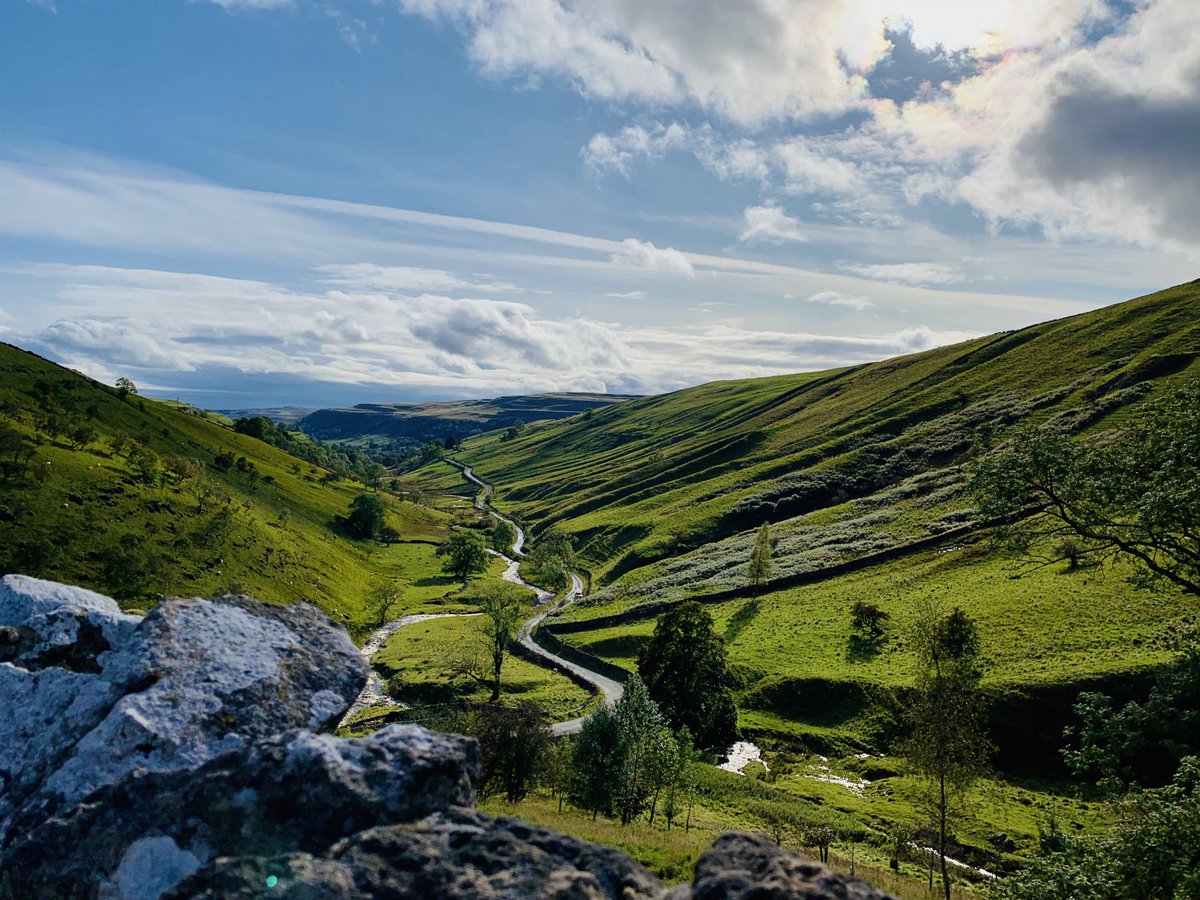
(245, 203)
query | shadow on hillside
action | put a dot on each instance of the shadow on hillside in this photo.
(864, 649)
(740, 619)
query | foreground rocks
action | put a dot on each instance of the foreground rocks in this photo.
(88, 694)
(175, 756)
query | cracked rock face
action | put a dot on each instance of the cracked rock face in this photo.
(175, 756)
(88, 694)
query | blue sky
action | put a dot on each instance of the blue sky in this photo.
(315, 202)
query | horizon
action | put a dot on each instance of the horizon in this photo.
(320, 203)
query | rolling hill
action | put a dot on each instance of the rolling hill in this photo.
(418, 423)
(650, 478)
(861, 473)
(139, 498)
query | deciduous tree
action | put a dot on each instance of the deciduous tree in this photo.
(947, 747)
(1131, 493)
(686, 671)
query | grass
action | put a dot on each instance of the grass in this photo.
(1042, 625)
(419, 660)
(726, 800)
(650, 478)
(270, 531)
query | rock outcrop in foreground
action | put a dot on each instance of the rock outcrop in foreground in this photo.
(180, 755)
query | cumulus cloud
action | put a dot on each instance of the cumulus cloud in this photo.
(748, 62)
(833, 298)
(770, 225)
(644, 255)
(286, 338)
(908, 273)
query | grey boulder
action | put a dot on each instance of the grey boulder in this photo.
(88, 693)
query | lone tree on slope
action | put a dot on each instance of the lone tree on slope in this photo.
(947, 747)
(760, 558)
(686, 671)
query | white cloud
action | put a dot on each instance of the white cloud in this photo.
(644, 255)
(833, 298)
(770, 225)
(253, 4)
(908, 273)
(126, 322)
(748, 62)
(404, 279)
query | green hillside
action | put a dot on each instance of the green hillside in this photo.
(862, 474)
(140, 498)
(851, 468)
(647, 479)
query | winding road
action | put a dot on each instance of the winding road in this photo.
(611, 689)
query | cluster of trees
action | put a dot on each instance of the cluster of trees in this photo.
(1133, 494)
(551, 561)
(627, 759)
(341, 462)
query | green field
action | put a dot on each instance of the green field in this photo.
(418, 660)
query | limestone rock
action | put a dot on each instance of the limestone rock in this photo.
(751, 867)
(293, 793)
(88, 693)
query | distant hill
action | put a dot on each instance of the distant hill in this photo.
(284, 415)
(422, 422)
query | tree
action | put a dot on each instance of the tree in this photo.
(513, 741)
(223, 462)
(555, 772)
(819, 833)
(596, 762)
(947, 746)
(383, 598)
(680, 780)
(760, 558)
(867, 620)
(502, 609)
(366, 516)
(686, 671)
(1130, 494)
(1141, 742)
(125, 387)
(640, 725)
(1152, 851)
(503, 537)
(465, 554)
(147, 468)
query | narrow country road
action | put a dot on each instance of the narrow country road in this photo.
(609, 687)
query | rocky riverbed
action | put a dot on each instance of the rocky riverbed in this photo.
(186, 753)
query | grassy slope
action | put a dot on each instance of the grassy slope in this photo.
(648, 488)
(278, 543)
(644, 479)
